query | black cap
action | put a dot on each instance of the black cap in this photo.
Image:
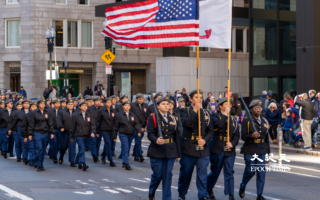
(70, 101)
(126, 102)
(107, 99)
(21, 86)
(222, 100)
(8, 101)
(74, 98)
(18, 103)
(33, 102)
(159, 94)
(21, 97)
(96, 98)
(48, 99)
(63, 100)
(80, 97)
(13, 93)
(56, 101)
(2, 101)
(193, 92)
(7, 93)
(113, 97)
(41, 99)
(255, 102)
(88, 98)
(25, 101)
(139, 95)
(124, 96)
(161, 99)
(82, 102)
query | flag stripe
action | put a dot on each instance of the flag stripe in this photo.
(133, 20)
(128, 8)
(134, 13)
(160, 44)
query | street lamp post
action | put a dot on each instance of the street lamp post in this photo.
(108, 45)
(50, 35)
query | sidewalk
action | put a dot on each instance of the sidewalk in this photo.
(314, 152)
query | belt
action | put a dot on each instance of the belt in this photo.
(168, 141)
(258, 141)
(222, 138)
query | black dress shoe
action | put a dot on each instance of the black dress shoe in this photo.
(136, 159)
(141, 159)
(11, 155)
(30, 165)
(5, 155)
(112, 164)
(95, 158)
(35, 166)
(87, 149)
(85, 167)
(50, 157)
(55, 160)
(211, 195)
(260, 197)
(127, 166)
(45, 153)
(203, 198)
(26, 162)
(181, 197)
(18, 159)
(42, 169)
(79, 166)
(60, 161)
(231, 197)
(114, 155)
(151, 197)
(39, 169)
(72, 164)
(242, 191)
(103, 160)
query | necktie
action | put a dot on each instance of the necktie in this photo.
(141, 109)
(84, 118)
(41, 112)
(165, 118)
(9, 112)
(70, 113)
(127, 116)
(109, 112)
(56, 113)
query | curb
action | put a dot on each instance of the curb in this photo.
(293, 150)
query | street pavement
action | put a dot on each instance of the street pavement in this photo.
(18, 181)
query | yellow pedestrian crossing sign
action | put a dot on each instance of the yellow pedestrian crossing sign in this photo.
(108, 57)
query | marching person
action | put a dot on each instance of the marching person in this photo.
(256, 146)
(63, 104)
(93, 111)
(113, 106)
(126, 123)
(124, 98)
(41, 125)
(163, 151)
(33, 161)
(64, 122)
(223, 153)
(139, 109)
(48, 103)
(195, 151)
(4, 121)
(82, 129)
(105, 122)
(2, 106)
(53, 151)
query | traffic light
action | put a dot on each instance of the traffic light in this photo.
(108, 42)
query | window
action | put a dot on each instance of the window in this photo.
(12, 1)
(58, 27)
(264, 42)
(13, 33)
(241, 3)
(265, 4)
(239, 40)
(72, 34)
(83, 2)
(203, 49)
(270, 84)
(287, 46)
(289, 84)
(86, 34)
(290, 5)
(61, 1)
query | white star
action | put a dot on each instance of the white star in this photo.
(170, 16)
(182, 9)
(187, 6)
(161, 15)
(180, 13)
(190, 9)
(171, 11)
(165, 3)
(174, 3)
(176, 15)
(183, 4)
(158, 17)
(190, 3)
(165, 12)
(190, 14)
(168, 4)
(187, 12)
(183, 15)
(177, 10)
(164, 17)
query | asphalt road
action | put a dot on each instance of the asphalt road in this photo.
(104, 182)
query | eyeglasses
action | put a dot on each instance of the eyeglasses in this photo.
(257, 109)
(272, 107)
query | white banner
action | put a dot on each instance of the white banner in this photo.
(215, 23)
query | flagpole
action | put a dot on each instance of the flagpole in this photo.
(228, 127)
(199, 126)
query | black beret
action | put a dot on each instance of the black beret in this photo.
(8, 101)
(18, 103)
(159, 94)
(161, 99)
(96, 98)
(70, 101)
(222, 100)
(2, 101)
(25, 101)
(48, 99)
(124, 96)
(139, 95)
(7, 93)
(56, 101)
(82, 102)
(63, 100)
(193, 92)
(126, 102)
(255, 102)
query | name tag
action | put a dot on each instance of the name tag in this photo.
(46, 116)
(88, 119)
(112, 114)
(132, 118)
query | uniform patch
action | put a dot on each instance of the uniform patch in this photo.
(88, 119)
(112, 114)
(132, 118)
(46, 116)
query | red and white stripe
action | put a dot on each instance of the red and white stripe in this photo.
(134, 25)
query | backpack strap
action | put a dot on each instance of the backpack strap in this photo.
(154, 120)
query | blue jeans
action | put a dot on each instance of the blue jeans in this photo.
(107, 145)
(41, 139)
(67, 144)
(98, 142)
(288, 136)
(54, 144)
(217, 162)
(125, 146)
(137, 150)
(187, 165)
(249, 171)
(32, 152)
(162, 171)
(19, 143)
(81, 157)
(5, 139)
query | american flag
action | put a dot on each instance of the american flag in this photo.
(154, 23)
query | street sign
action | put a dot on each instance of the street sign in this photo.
(108, 57)
(108, 69)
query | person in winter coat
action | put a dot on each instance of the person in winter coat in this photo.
(45, 93)
(88, 91)
(263, 99)
(273, 115)
(288, 127)
(185, 96)
(289, 100)
(207, 101)
(236, 106)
